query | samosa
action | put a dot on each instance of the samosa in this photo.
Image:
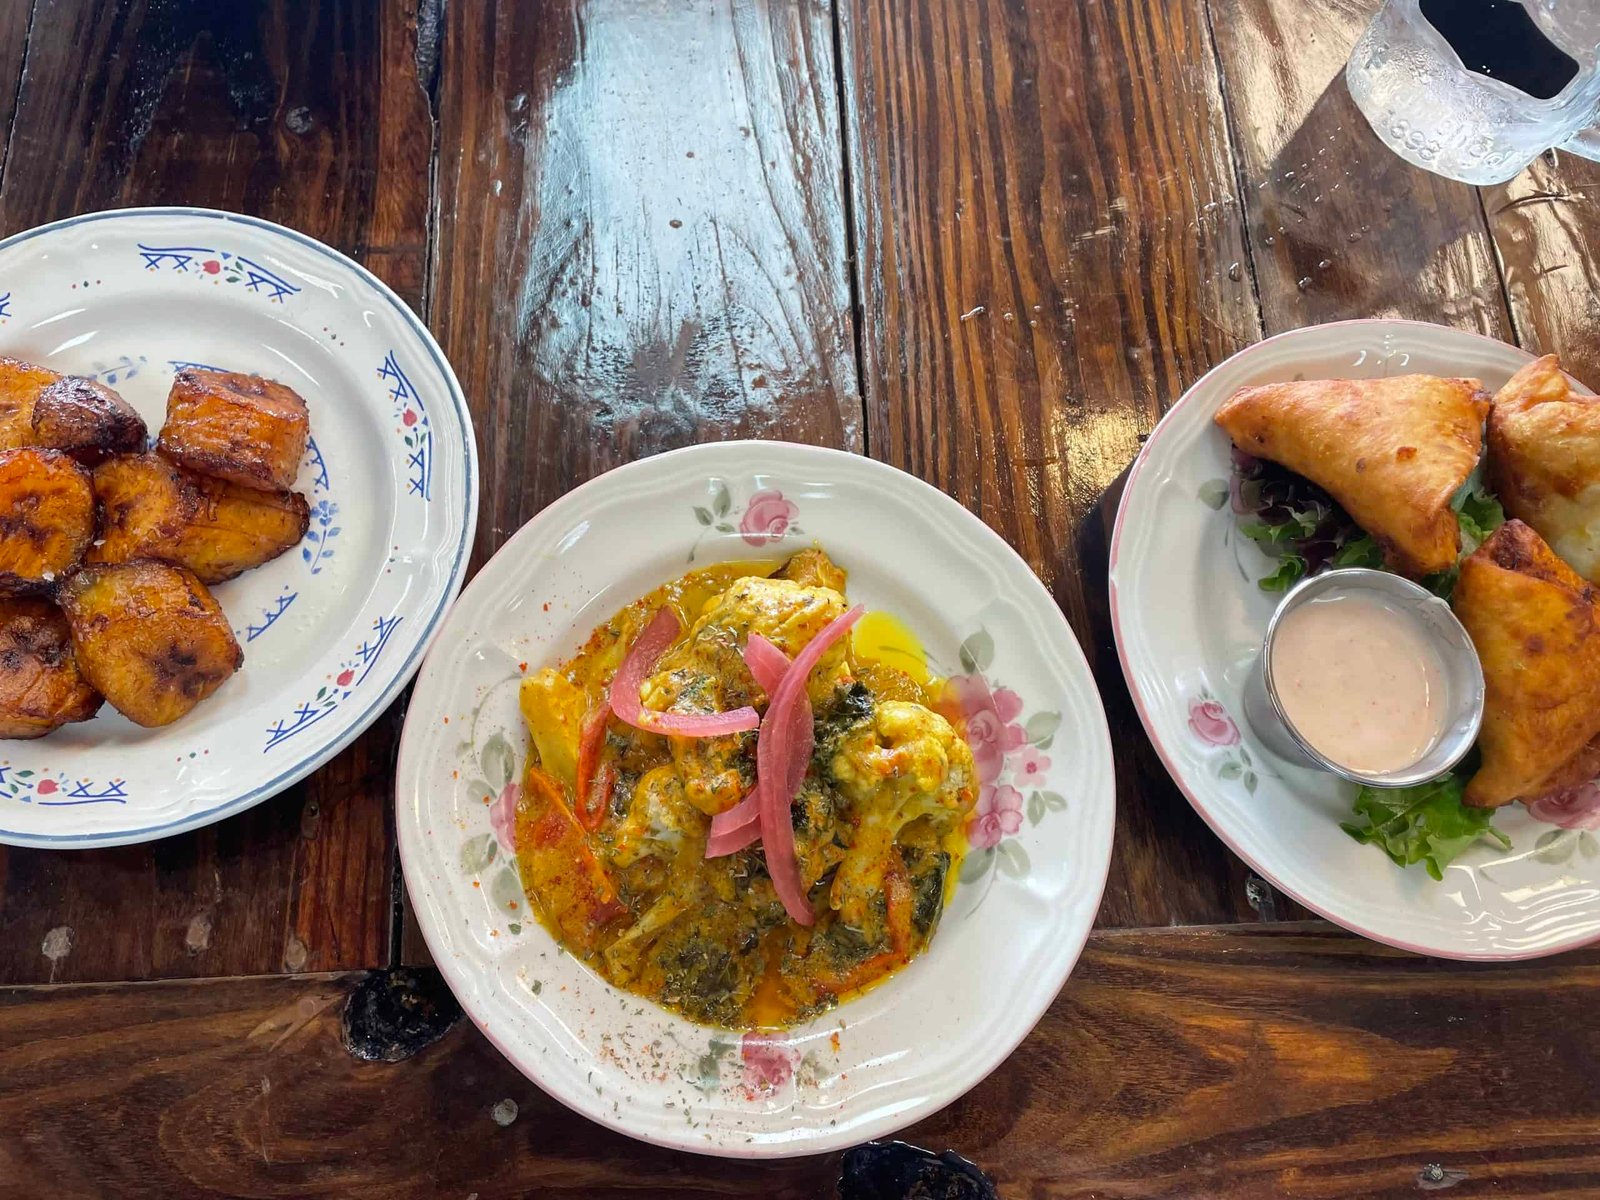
(1534, 622)
(1393, 452)
(1544, 460)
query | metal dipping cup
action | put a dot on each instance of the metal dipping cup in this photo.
(1463, 677)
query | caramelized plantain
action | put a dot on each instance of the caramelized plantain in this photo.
(87, 420)
(149, 637)
(248, 430)
(46, 518)
(150, 508)
(41, 688)
(20, 385)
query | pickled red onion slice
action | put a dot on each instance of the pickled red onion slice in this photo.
(641, 660)
(739, 826)
(766, 662)
(784, 742)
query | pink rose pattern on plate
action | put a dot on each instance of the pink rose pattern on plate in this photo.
(769, 1063)
(1575, 808)
(1215, 730)
(1009, 753)
(497, 788)
(1576, 815)
(1211, 723)
(767, 517)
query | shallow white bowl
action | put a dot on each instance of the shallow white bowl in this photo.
(1189, 620)
(1014, 929)
(332, 630)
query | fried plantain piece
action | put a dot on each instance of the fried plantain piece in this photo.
(1393, 452)
(150, 508)
(46, 518)
(1534, 623)
(87, 420)
(20, 385)
(41, 688)
(149, 637)
(248, 430)
(1544, 460)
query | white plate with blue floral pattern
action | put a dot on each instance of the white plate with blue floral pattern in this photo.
(1189, 618)
(1042, 827)
(333, 629)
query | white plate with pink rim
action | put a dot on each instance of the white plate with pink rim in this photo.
(1014, 928)
(334, 628)
(1189, 619)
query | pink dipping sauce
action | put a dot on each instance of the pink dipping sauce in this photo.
(1360, 680)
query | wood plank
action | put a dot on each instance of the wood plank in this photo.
(15, 19)
(314, 118)
(641, 235)
(1290, 1063)
(1049, 252)
(1339, 226)
(1545, 230)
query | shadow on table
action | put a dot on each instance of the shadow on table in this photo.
(1167, 867)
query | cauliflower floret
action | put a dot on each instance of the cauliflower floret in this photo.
(706, 673)
(909, 754)
(901, 765)
(660, 822)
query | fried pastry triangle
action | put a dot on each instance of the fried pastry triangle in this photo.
(1534, 622)
(1392, 451)
(1544, 460)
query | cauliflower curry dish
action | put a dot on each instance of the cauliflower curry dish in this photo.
(733, 811)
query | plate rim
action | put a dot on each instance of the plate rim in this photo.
(413, 661)
(828, 1140)
(1170, 761)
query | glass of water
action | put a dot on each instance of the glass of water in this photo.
(1475, 90)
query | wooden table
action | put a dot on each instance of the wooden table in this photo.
(988, 241)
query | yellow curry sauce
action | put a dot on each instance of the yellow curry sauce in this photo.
(878, 823)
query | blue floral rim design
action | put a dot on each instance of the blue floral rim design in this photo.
(296, 771)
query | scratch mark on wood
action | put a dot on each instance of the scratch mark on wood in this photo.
(292, 1018)
(198, 935)
(57, 945)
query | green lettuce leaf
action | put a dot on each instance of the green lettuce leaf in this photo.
(1425, 824)
(1291, 570)
(1479, 514)
(1364, 551)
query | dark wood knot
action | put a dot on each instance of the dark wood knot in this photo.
(394, 1013)
(897, 1171)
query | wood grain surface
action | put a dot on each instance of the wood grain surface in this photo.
(1546, 224)
(1049, 252)
(1181, 1063)
(641, 236)
(308, 115)
(1338, 226)
(14, 22)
